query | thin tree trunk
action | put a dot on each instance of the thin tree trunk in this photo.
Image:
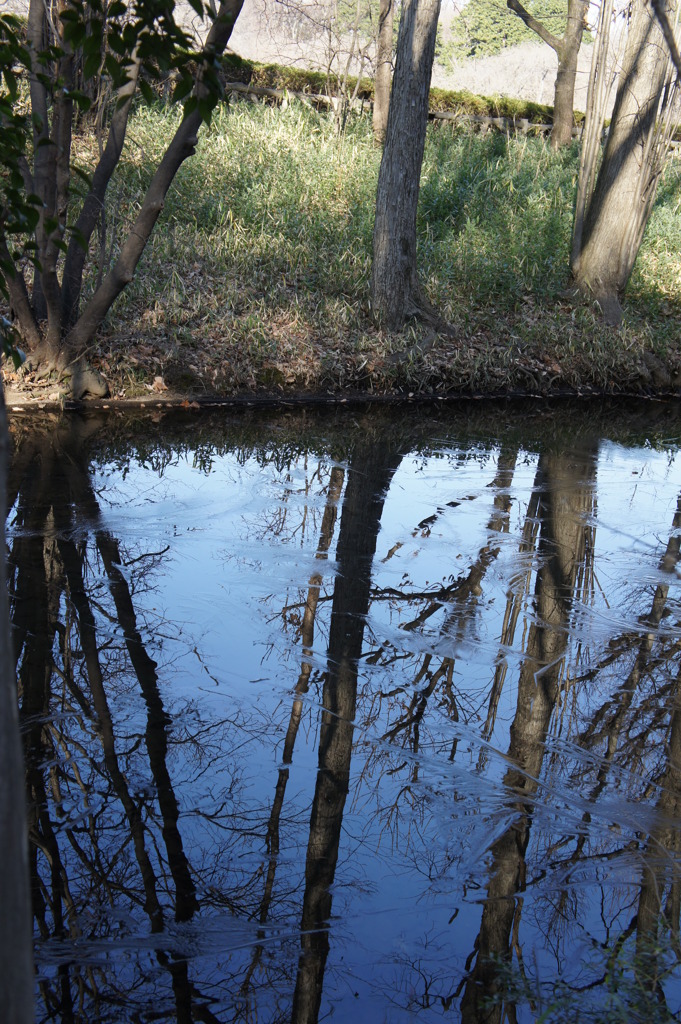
(395, 290)
(564, 94)
(384, 68)
(94, 201)
(16, 954)
(35, 31)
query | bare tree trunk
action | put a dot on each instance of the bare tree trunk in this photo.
(617, 212)
(567, 50)
(16, 975)
(395, 290)
(564, 94)
(384, 68)
(94, 201)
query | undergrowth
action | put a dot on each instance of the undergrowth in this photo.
(260, 262)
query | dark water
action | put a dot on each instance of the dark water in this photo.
(372, 716)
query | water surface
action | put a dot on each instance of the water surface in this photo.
(365, 714)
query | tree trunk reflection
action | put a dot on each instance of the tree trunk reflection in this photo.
(62, 679)
(565, 490)
(333, 494)
(369, 474)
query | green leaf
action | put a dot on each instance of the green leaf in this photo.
(10, 347)
(148, 93)
(82, 101)
(74, 33)
(115, 70)
(93, 44)
(10, 81)
(91, 65)
(183, 88)
(83, 175)
(116, 42)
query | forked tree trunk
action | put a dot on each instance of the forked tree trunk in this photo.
(395, 290)
(567, 49)
(50, 322)
(609, 233)
(384, 67)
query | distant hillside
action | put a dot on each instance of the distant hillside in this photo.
(289, 32)
(268, 30)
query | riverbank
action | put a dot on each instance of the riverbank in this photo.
(520, 373)
(255, 282)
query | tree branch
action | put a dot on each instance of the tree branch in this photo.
(18, 296)
(94, 201)
(535, 26)
(668, 33)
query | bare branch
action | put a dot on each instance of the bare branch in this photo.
(668, 33)
(535, 26)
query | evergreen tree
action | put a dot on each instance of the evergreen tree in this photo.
(486, 27)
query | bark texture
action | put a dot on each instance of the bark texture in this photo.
(610, 220)
(395, 291)
(384, 68)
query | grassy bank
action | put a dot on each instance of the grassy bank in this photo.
(257, 274)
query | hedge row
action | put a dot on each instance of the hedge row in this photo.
(276, 76)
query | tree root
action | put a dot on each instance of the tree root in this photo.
(419, 308)
(608, 302)
(85, 381)
(81, 378)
